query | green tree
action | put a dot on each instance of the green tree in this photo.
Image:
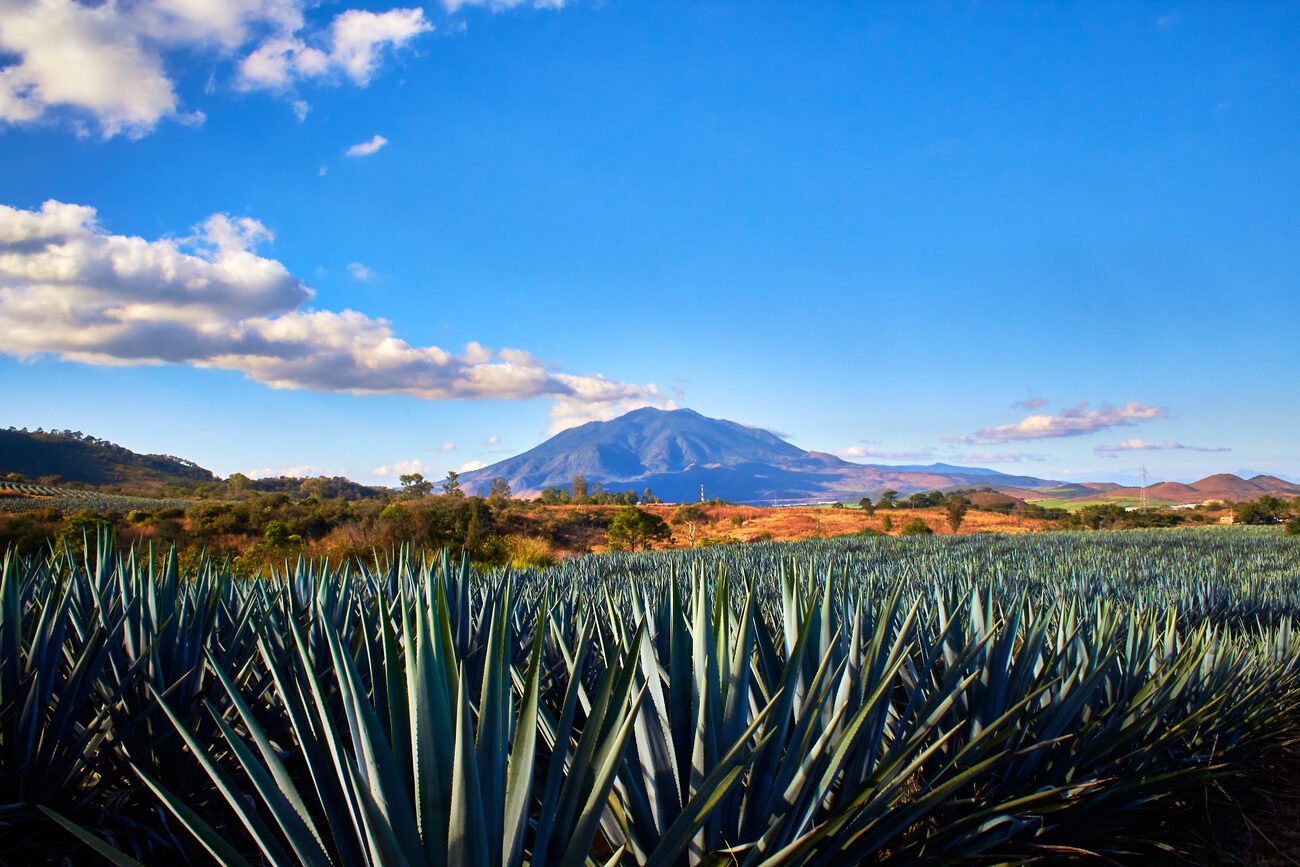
(415, 485)
(499, 489)
(552, 496)
(1293, 527)
(632, 529)
(887, 524)
(956, 507)
(916, 527)
(888, 499)
(451, 485)
(1253, 513)
(691, 515)
(580, 494)
(865, 505)
(277, 534)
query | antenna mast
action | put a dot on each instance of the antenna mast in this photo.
(701, 493)
(1143, 498)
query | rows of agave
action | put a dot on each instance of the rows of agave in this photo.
(921, 700)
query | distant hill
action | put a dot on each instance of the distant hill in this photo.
(76, 457)
(1220, 486)
(674, 452)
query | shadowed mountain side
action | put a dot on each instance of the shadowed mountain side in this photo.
(674, 452)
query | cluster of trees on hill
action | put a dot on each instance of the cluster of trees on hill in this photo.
(954, 503)
(1267, 510)
(269, 528)
(580, 493)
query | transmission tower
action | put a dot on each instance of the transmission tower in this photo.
(1142, 500)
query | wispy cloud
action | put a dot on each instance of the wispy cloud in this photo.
(71, 289)
(297, 471)
(453, 6)
(492, 440)
(447, 447)
(1141, 445)
(997, 457)
(366, 148)
(471, 466)
(110, 62)
(360, 272)
(1074, 421)
(1030, 404)
(856, 452)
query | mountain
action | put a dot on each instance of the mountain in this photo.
(674, 452)
(75, 457)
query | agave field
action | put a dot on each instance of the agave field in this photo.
(940, 700)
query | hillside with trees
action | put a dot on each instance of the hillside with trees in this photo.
(60, 456)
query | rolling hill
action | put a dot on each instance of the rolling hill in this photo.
(1220, 486)
(674, 452)
(75, 457)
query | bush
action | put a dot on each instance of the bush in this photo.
(1293, 527)
(916, 527)
(527, 552)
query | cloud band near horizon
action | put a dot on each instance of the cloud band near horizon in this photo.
(1078, 420)
(1133, 445)
(71, 290)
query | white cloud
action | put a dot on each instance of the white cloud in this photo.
(360, 38)
(401, 468)
(471, 466)
(360, 272)
(1136, 445)
(366, 148)
(594, 398)
(353, 47)
(492, 440)
(1030, 404)
(1074, 421)
(447, 447)
(72, 290)
(300, 109)
(110, 61)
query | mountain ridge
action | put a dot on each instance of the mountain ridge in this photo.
(674, 452)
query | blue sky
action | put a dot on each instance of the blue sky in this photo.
(1056, 240)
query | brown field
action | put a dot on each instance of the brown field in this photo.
(792, 523)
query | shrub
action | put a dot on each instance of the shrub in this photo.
(528, 552)
(916, 527)
(1293, 527)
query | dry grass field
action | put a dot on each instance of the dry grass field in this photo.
(792, 523)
